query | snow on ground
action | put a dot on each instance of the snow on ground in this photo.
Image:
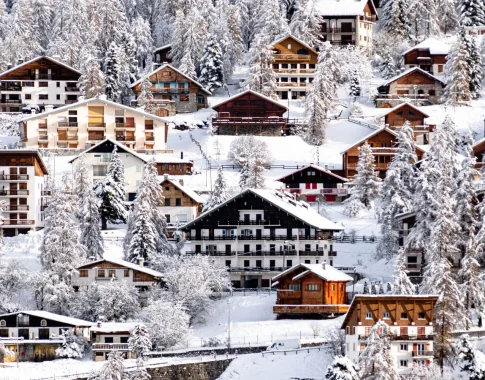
(304, 365)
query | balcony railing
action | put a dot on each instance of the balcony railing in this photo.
(14, 192)
(310, 309)
(11, 101)
(368, 18)
(379, 166)
(161, 90)
(72, 89)
(71, 101)
(111, 347)
(68, 138)
(423, 353)
(249, 121)
(329, 191)
(403, 96)
(96, 125)
(257, 269)
(45, 193)
(339, 30)
(10, 88)
(212, 253)
(95, 137)
(67, 124)
(42, 125)
(14, 177)
(404, 337)
(17, 208)
(18, 222)
(123, 126)
(294, 71)
(292, 57)
(291, 84)
(267, 253)
(125, 138)
(342, 42)
(148, 138)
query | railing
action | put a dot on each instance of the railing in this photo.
(423, 353)
(249, 223)
(170, 90)
(95, 138)
(292, 57)
(212, 253)
(111, 346)
(45, 193)
(328, 191)
(124, 126)
(309, 309)
(43, 138)
(402, 96)
(257, 269)
(311, 253)
(342, 42)
(291, 84)
(71, 101)
(72, 89)
(212, 238)
(67, 138)
(67, 124)
(10, 88)
(96, 125)
(413, 266)
(294, 71)
(368, 18)
(267, 253)
(149, 138)
(14, 177)
(249, 121)
(11, 101)
(386, 150)
(403, 337)
(14, 192)
(339, 30)
(125, 138)
(379, 166)
(416, 128)
(332, 253)
(42, 125)
(18, 222)
(17, 208)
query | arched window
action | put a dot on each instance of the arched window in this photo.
(43, 323)
(3, 323)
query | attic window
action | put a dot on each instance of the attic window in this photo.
(289, 46)
(43, 323)
(3, 323)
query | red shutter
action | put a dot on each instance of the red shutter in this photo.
(330, 198)
(314, 185)
(311, 198)
(308, 185)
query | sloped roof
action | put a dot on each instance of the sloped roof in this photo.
(36, 59)
(126, 264)
(173, 68)
(410, 71)
(391, 110)
(328, 274)
(251, 92)
(123, 148)
(114, 327)
(92, 100)
(297, 209)
(343, 7)
(162, 47)
(28, 151)
(289, 35)
(189, 192)
(52, 317)
(435, 46)
(316, 167)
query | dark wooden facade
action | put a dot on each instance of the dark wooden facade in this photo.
(172, 192)
(23, 158)
(423, 59)
(250, 113)
(396, 118)
(27, 72)
(174, 168)
(162, 54)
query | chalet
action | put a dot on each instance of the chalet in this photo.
(475, 30)
(479, 152)
(294, 66)
(104, 270)
(85, 123)
(170, 85)
(429, 55)
(22, 186)
(162, 54)
(313, 183)
(382, 143)
(395, 118)
(412, 85)
(411, 322)
(316, 289)
(109, 337)
(37, 334)
(37, 83)
(347, 22)
(259, 233)
(250, 113)
(182, 204)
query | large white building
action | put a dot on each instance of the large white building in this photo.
(22, 187)
(259, 233)
(40, 82)
(83, 124)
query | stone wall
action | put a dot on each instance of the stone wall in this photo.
(249, 130)
(191, 371)
(190, 106)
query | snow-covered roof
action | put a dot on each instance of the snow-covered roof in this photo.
(289, 35)
(189, 192)
(162, 47)
(391, 110)
(281, 200)
(125, 264)
(114, 327)
(404, 215)
(88, 101)
(251, 92)
(52, 317)
(478, 143)
(124, 148)
(409, 71)
(36, 59)
(343, 7)
(316, 167)
(329, 273)
(167, 158)
(173, 68)
(435, 46)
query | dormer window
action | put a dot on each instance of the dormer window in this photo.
(289, 46)
(43, 323)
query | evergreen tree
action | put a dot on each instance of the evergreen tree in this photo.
(327, 76)
(316, 123)
(354, 86)
(272, 21)
(42, 12)
(91, 80)
(472, 13)
(145, 99)
(187, 67)
(255, 178)
(342, 368)
(113, 369)
(140, 29)
(128, 65)
(211, 70)
(82, 184)
(402, 285)
(111, 191)
(469, 364)
(112, 73)
(475, 65)
(139, 342)
(398, 24)
(244, 175)
(388, 66)
(220, 193)
(306, 22)
(90, 226)
(112, 25)
(262, 77)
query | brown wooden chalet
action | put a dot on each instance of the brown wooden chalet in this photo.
(313, 183)
(382, 143)
(170, 85)
(250, 113)
(479, 152)
(162, 54)
(429, 55)
(311, 289)
(412, 85)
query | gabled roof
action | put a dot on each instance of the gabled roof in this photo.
(289, 35)
(316, 167)
(478, 143)
(436, 47)
(410, 71)
(165, 65)
(92, 100)
(162, 47)
(120, 146)
(404, 215)
(299, 210)
(28, 151)
(36, 59)
(126, 264)
(114, 327)
(343, 7)
(52, 317)
(391, 110)
(250, 92)
(329, 273)
(189, 192)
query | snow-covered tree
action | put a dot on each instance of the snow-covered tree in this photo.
(111, 191)
(306, 22)
(316, 123)
(402, 284)
(14, 280)
(246, 148)
(145, 99)
(470, 364)
(354, 92)
(475, 65)
(376, 361)
(112, 73)
(187, 66)
(72, 347)
(91, 226)
(472, 13)
(139, 342)
(211, 70)
(4, 351)
(140, 29)
(342, 368)
(219, 194)
(112, 24)
(398, 24)
(272, 20)
(388, 66)
(91, 81)
(128, 66)
(82, 182)
(113, 369)
(253, 175)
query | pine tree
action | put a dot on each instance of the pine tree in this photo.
(111, 191)
(473, 368)
(220, 194)
(113, 24)
(306, 22)
(91, 226)
(114, 368)
(145, 99)
(91, 81)
(82, 184)
(143, 41)
(112, 73)
(43, 19)
(474, 65)
(211, 70)
(272, 21)
(402, 284)
(187, 67)
(128, 65)
(255, 178)
(388, 66)
(262, 77)
(399, 23)
(139, 342)
(472, 13)
(342, 368)
(354, 92)
(244, 175)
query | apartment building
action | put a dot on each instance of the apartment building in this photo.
(85, 123)
(294, 65)
(22, 187)
(35, 84)
(111, 336)
(348, 22)
(260, 233)
(410, 318)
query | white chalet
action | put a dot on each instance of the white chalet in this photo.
(112, 336)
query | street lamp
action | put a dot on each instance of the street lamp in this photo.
(17, 324)
(229, 326)
(289, 97)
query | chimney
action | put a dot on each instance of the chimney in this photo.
(326, 167)
(9, 66)
(48, 107)
(92, 258)
(20, 61)
(181, 181)
(155, 66)
(165, 177)
(57, 57)
(141, 261)
(182, 153)
(98, 324)
(324, 263)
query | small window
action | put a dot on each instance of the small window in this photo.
(368, 315)
(312, 287)
(167, 216)
(167, 188)
(184, 98)
(58, 97)
(58, 84)
(43, 84)
(167, 201)
(421, 315)
(387, 315)
(83, 273)
(28, 96)
(403, 363)
(43, 323)
(403, 347)
(178, 202)
(72, 113)
(126, 273)
(43, 97)
(333, 287)
(111, 273)
(3, 323)
(100, 272)
(138, 168)
(124, 339)
(294, 286)
(108, 339)
(404, 315)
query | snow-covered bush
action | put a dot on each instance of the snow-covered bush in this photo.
(72, 346)
(335, 341)
(14, 278)
(342, 368)
(470, 363)
(139, 342)
(113, 369)
(355, 109)
(249, 147)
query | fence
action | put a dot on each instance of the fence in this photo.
(268, 167)
(295, 351)
(357, 238)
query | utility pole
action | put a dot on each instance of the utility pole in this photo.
(229, 326)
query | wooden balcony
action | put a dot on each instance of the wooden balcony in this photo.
(403, 337)
(292, 57)
(96, 126)
(18, 222)
(249, 121)
(96, 137)
(21, 192)
(15, 208)
(124, 127)
(111, 347)
(402, 96)
(327, 191)
(310, 309)
(160, 90)
(66, 124)
(368, 18)
(417, 129)
(342, 42)
(67, 137)
(14, 177)
(125, 138)
(291, 84)
(379, 166)
(149, 138)
(294, 71)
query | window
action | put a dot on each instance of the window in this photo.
(72, 113)
(367, 331)
(403, 363)
(43, 323)
(404, 315)
(167, 201)
(100, 272)
(200, 99)
(43, 84)
(178, 202)
(126, 273)
(83, 273)
(421, 315)
(108, 339)
(111, 273)
(58, 97)
(43, 97)
(99, 170)
(294, 287)
(3, 323)
(58, 84)
(312, 287)
(440, 68)
(184, 98)
(368, 315)
(421, 331)
(167, 216)
(228, 263)
(124, 339)
(333, 287)
(403, 347)
(28, 96)
(167, 188)
(166, 166)
(29, 84)
(307, 262)
(387, 315)
(182, 218)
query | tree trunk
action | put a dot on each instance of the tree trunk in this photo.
(104, 223)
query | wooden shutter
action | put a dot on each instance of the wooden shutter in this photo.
(96, 114)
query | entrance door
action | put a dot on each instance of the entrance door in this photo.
(161, 112)
(259, 234)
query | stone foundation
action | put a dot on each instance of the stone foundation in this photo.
(249, 130)
(191, 371)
